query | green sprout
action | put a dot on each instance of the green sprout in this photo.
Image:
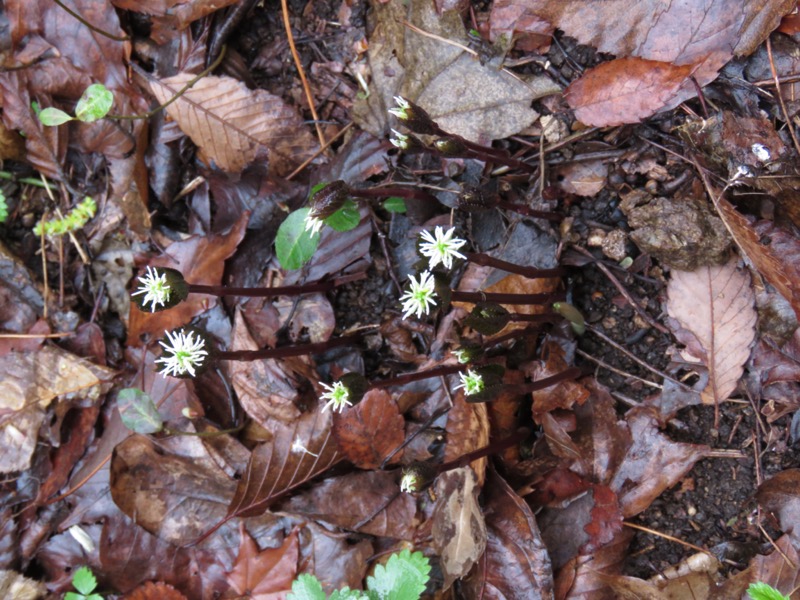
(94, 104)
(764, 591)
(3, 207)
(85, 582)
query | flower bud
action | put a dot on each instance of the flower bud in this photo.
(328, 199)
(414, 117)
(492, 376)
(472, 198)
(468, 352)
(416, 477)
(450, 146)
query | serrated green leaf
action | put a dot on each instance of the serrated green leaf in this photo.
(74, 596)
(138, 411)
(53, 117)
(347, 594)
(402, 578)
(395, 204)
(84, 581)
(763, 591)
(294, 246)
(346, 218)
(94, 597)
(306, 587)
(3, 207)
(94, 104)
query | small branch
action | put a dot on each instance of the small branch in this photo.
(288, 351)
(518, 299)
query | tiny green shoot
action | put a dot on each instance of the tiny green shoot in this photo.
(764, 591)
(94, 104)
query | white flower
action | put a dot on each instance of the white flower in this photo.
(399, 140)
(462, 356)
(400, 111)
(183, 354)
(471, 382)
(420, 298)
(155, 288)
(408, 483)
(313, 224)
(441, 247)
(337, 396)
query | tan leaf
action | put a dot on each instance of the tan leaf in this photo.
(714, 306)
(459, 530)
(233, 125)
(467, 430)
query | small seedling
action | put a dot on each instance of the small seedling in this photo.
(3, 207)
(764, 591)
(402, 578)
(85, 582)
(94, 104)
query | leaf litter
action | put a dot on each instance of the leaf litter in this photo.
(273, 486)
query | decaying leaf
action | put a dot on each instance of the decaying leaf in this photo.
(714, 306)
(262, 575)
(233, 125)
(780, 495)
(516, 564)
(370, 431)
(459, 530)
(467, 430)
(479, 102)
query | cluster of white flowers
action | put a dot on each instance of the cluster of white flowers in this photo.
(183, 353)
(155, 288)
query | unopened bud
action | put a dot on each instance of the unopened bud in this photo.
(487, 318)
(328, 199)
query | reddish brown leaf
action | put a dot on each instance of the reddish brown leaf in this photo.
(780, 495)
(515, 564)
(265, 574)
(367, 502)
(714, 306)
(370, 431)
(201, 260)
(233, 125)
(155, 591)
(626, 90)
(585, 576)
(564, 394)
(467, 430)
(778, 569)
(459, 531)
(278, 466)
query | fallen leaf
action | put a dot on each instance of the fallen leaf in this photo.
(780, 495)
(779, 569)
(265, 388)
(265, 574)
(459, 530)
(369, 502)
(155, 591)
(233, 125)
(479, 102)
(714, 306)
(585, 178)
(626, 90)
(467, 430)
(367, 433)
(515, 565)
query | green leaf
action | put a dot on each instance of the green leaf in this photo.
(3, 207)
(403, 578)
(763, 591)
(84, 580)
(395, 204)
(95, 597)
(294, 246)
(347, 594)
(52, 117)
(74, 596)
(346, 218)
(306, 587)
(138, 411)
(95, 103)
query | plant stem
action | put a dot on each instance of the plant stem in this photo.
(419, 375)
(529, 212)
(527, 388)
(531, 272)
(288, 290)
(385, 192)
(520, 299)
(493, 448)
(288, 351)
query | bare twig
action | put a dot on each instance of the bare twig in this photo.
(667, 537)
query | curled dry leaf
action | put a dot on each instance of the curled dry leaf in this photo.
(233, 125)
(714, 307)
(459, 530)
(467, 430)
(370, 431)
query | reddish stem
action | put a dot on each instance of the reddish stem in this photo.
(409, 377)
(529, 212)
(531, 272)
(287, 351)
(475, 297)
(288, 290)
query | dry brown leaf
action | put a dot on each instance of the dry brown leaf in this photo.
(582, 178)
(714, 306)
(477, 101)
(233, 125)
(459, 530)
(467, 430)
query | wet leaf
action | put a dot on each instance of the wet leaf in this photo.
(233, 125)
(294, 244)
(262, 575)
(467, 430)
(278, 466)
(155, 591)
(368, 502)
(53, 117)
(780, 495)
(138, 411)
(515, 565)
(94, 104)
(367, 433)
(714, 307)
(459, 530)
